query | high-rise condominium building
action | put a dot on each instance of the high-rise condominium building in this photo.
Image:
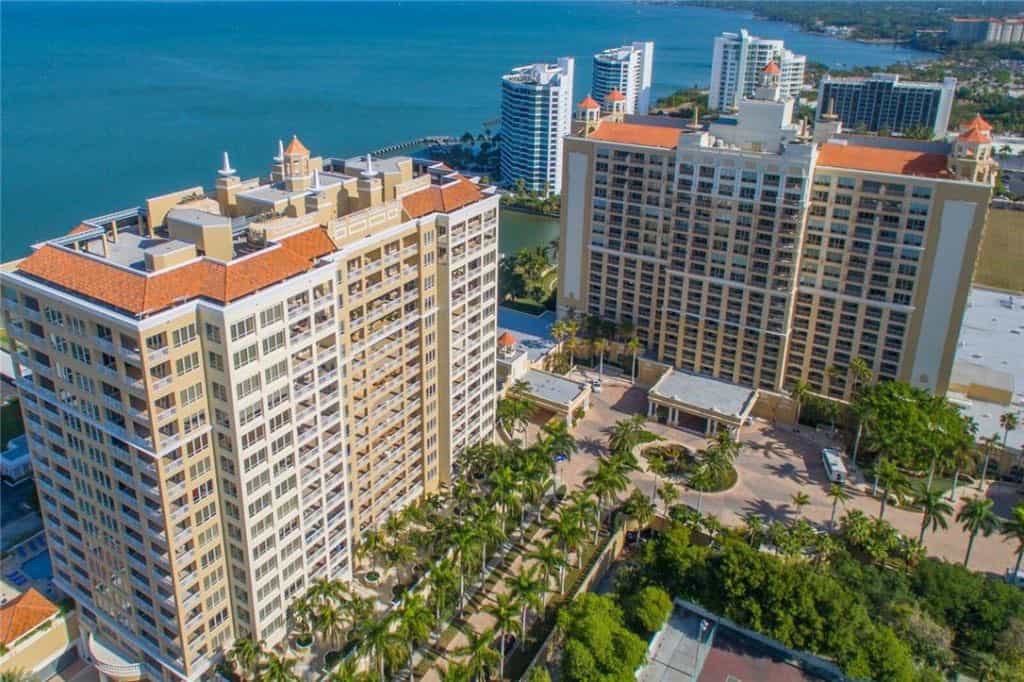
(536, 114)
(222, 390)
(986, 29)
(628, 69)
(756, 254)
(737, 63)
(884, 102)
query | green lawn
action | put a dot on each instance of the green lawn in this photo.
(10, 422)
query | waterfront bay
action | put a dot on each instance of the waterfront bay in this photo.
(105, 104)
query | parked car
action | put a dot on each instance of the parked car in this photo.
(595, 385)
(561, 457)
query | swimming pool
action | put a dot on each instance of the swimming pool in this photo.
(38, 567)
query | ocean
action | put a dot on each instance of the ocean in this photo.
(107, 103)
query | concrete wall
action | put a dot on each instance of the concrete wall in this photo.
(775, 407)
(41, 652)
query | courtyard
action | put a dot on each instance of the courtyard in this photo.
(775, 463)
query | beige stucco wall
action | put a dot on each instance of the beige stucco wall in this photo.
(774, 406)
(37, 650)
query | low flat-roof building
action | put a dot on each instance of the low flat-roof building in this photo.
(988, 373)
(557, 394)
(37, 636)
(700, 403)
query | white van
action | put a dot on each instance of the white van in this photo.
(834, 468)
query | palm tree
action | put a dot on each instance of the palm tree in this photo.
(488, 530)
(668, 494)
(442, 581)
(600, 346)
(702, 478)
(976, 516)
(457, 672)
(605, 484)
(626, 434)
(891, 480)
(414, 624)
(567, 530)
(964, 456)
(837, 493)
(860, 373)
(727, 445)
(754, 530)
(377, 641)
(639, 508)
(800, 393)
(347, 671)
(800, 500)
(505, 610)
(246, 657)
(551, 560)
(463, 540)
(278, 669)
(934, 510)
(1013, 529)
(633, 346)
(988, 446)
(527, 589)
(1009, 421)
(480, 655)
(371, 546)
(330, 622)
(504, 492)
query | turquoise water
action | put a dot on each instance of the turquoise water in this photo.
(105, 104)
(38, 567)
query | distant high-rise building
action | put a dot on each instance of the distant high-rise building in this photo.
(986, 29)
(884, 102)
(224, 390)
(627, 69)
(739, 59)
(536, 114)
(754, 253)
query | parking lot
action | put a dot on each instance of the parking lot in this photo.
(774, 464)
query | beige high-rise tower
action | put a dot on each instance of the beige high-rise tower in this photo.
(750, 252)
(223, 391)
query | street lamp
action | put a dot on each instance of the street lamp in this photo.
(704, 625)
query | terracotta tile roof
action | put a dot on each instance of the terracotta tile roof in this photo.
(589, 103)
(615, 96)
(637, 133)
(138, 294)
(977, 122)
(444, 199)
(507, 339)
(895, 161)
(296, 147)
(23, 614)
(80, 228)
(975, 135)
(771, 68)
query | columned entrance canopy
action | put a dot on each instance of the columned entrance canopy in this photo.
(700, 403)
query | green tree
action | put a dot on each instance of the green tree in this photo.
(934, 510)
(837, 493)
(647, 610)
(378, 642)
(669, 494)
(1009, 421)
(246, 657)
(598, 645)
(552, 561)
(800, 500)
(505, 611)
(988, 446)
(800, 393)
(633, 346)
(891, 480)
(480, 656)
(278, 669)
(414, 625)
(1013, 529)
(977, 516)
(528, 590)
(599, 346)
(639, 508)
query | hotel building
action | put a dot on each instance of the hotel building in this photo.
(986, 29)
(884, 102)
(754, 253)
(222, 390)
(536, 115)
(628, 69)
(737, 63)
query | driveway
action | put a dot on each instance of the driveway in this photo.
(774, 464)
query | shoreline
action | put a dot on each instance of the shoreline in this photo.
(529, 211)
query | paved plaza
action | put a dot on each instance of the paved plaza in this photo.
(775, 463)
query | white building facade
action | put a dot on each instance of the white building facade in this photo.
(739, 59)
(628, 69)
(536, 114)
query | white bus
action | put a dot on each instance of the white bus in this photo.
(834, 468)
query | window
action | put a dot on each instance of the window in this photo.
(248, 386)
(272, 343)
(81, 354)
(212, 333)
(243, 357)
(216, 361)
(184, 335)
(191, 394)
(272, 315)
(243, 328)
(186, 364)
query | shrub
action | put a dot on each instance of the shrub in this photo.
(647, 610)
